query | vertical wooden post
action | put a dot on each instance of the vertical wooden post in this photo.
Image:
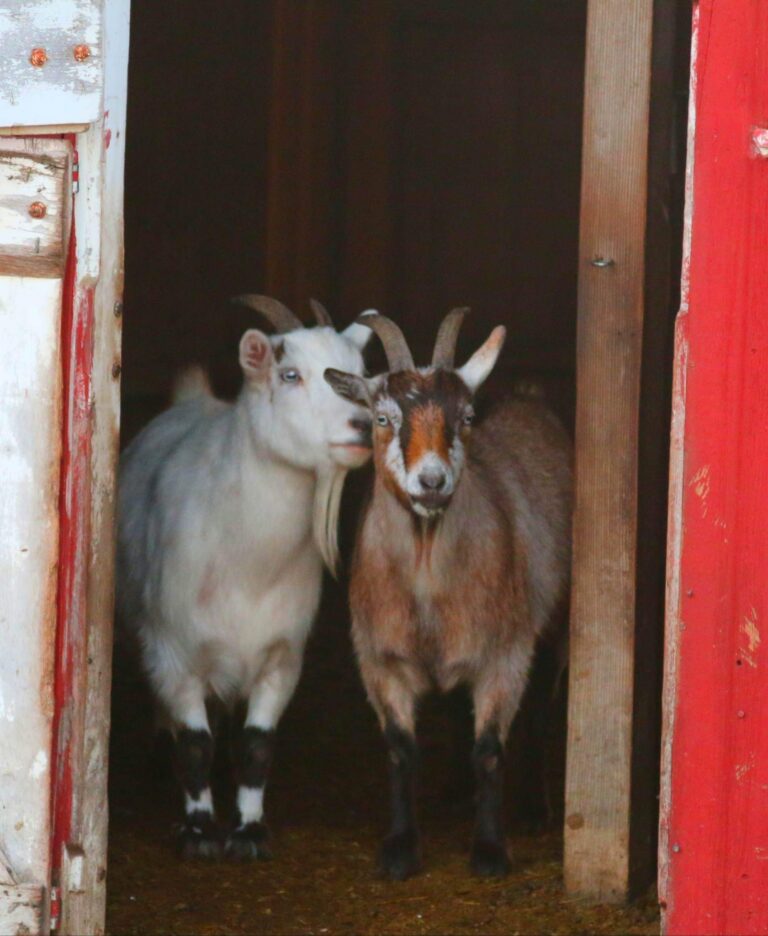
(35, 197)
(81, 819)
(598, 827)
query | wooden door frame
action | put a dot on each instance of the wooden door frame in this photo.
(85, 58)
(713, 853)
(87, 567)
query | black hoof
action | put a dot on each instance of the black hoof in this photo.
(199, 839)
(489, 859)
(399, 856)
(249, 842)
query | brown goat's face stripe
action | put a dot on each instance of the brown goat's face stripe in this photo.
(424, 435)
(426, 431)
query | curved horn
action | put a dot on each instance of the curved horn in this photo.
(274, 312)
(445, 344)
(321, 313)
(399, 357)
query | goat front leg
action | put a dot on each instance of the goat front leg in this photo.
(496, 698)
(199, 836)
(393, 695)
(254, 750)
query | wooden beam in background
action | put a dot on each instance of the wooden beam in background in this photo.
(302, 137)
(598, 827)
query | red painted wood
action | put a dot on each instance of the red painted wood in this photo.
(715, 822)
(74, 511)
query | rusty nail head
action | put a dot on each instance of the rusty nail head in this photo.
(760, 141)
(37, 210)
(116, 370)
(38, 57)
(82, 52)
(117, 309)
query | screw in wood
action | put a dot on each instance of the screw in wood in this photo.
(117, 309)
(676, 849)
(81, 52)
(38, 57)
(602, 262)
(37, 210)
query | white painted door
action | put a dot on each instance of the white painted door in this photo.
(63, 76)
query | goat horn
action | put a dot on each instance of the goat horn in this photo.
(274, 312)
(321, 313)
(445, 345)
(399, 357)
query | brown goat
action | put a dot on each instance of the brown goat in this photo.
(461, 560)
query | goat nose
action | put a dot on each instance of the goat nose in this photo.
(432, 479)
(361, 423)
(362, 426)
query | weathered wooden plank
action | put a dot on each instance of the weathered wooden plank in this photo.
(43, 130)
(23, 910)
(30, 413)
(714, 828)
(35, 200)
(610, 328)
(51, 65)
(301, 140)
(366, 273)
(83, 853)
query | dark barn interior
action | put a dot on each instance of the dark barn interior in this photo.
(407, 155)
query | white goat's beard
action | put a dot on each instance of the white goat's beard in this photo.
(325, 514)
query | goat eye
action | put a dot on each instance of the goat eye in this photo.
(382, 420)
(469, 418)
(290, 376)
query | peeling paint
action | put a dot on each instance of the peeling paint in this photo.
(743, 769)
(701, 485)
(39, 765)
(64, 90)
(7, 708)
(751, 632)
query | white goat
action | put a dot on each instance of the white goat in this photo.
(219, 573)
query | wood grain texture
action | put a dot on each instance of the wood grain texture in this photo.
(302, 185)
(30, 413)
(34, 180)
(23, 910)
(83, 854)
(63, 90)
(366, 268)
(714, 843)
(609, 354)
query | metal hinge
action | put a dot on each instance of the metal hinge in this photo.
(55, 908)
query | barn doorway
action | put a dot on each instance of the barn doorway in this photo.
(408, 155)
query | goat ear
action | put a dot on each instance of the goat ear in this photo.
(349, 386)
(358, 334)
(255, 355)
(480, 365)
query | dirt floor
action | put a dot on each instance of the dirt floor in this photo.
(327, 808)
